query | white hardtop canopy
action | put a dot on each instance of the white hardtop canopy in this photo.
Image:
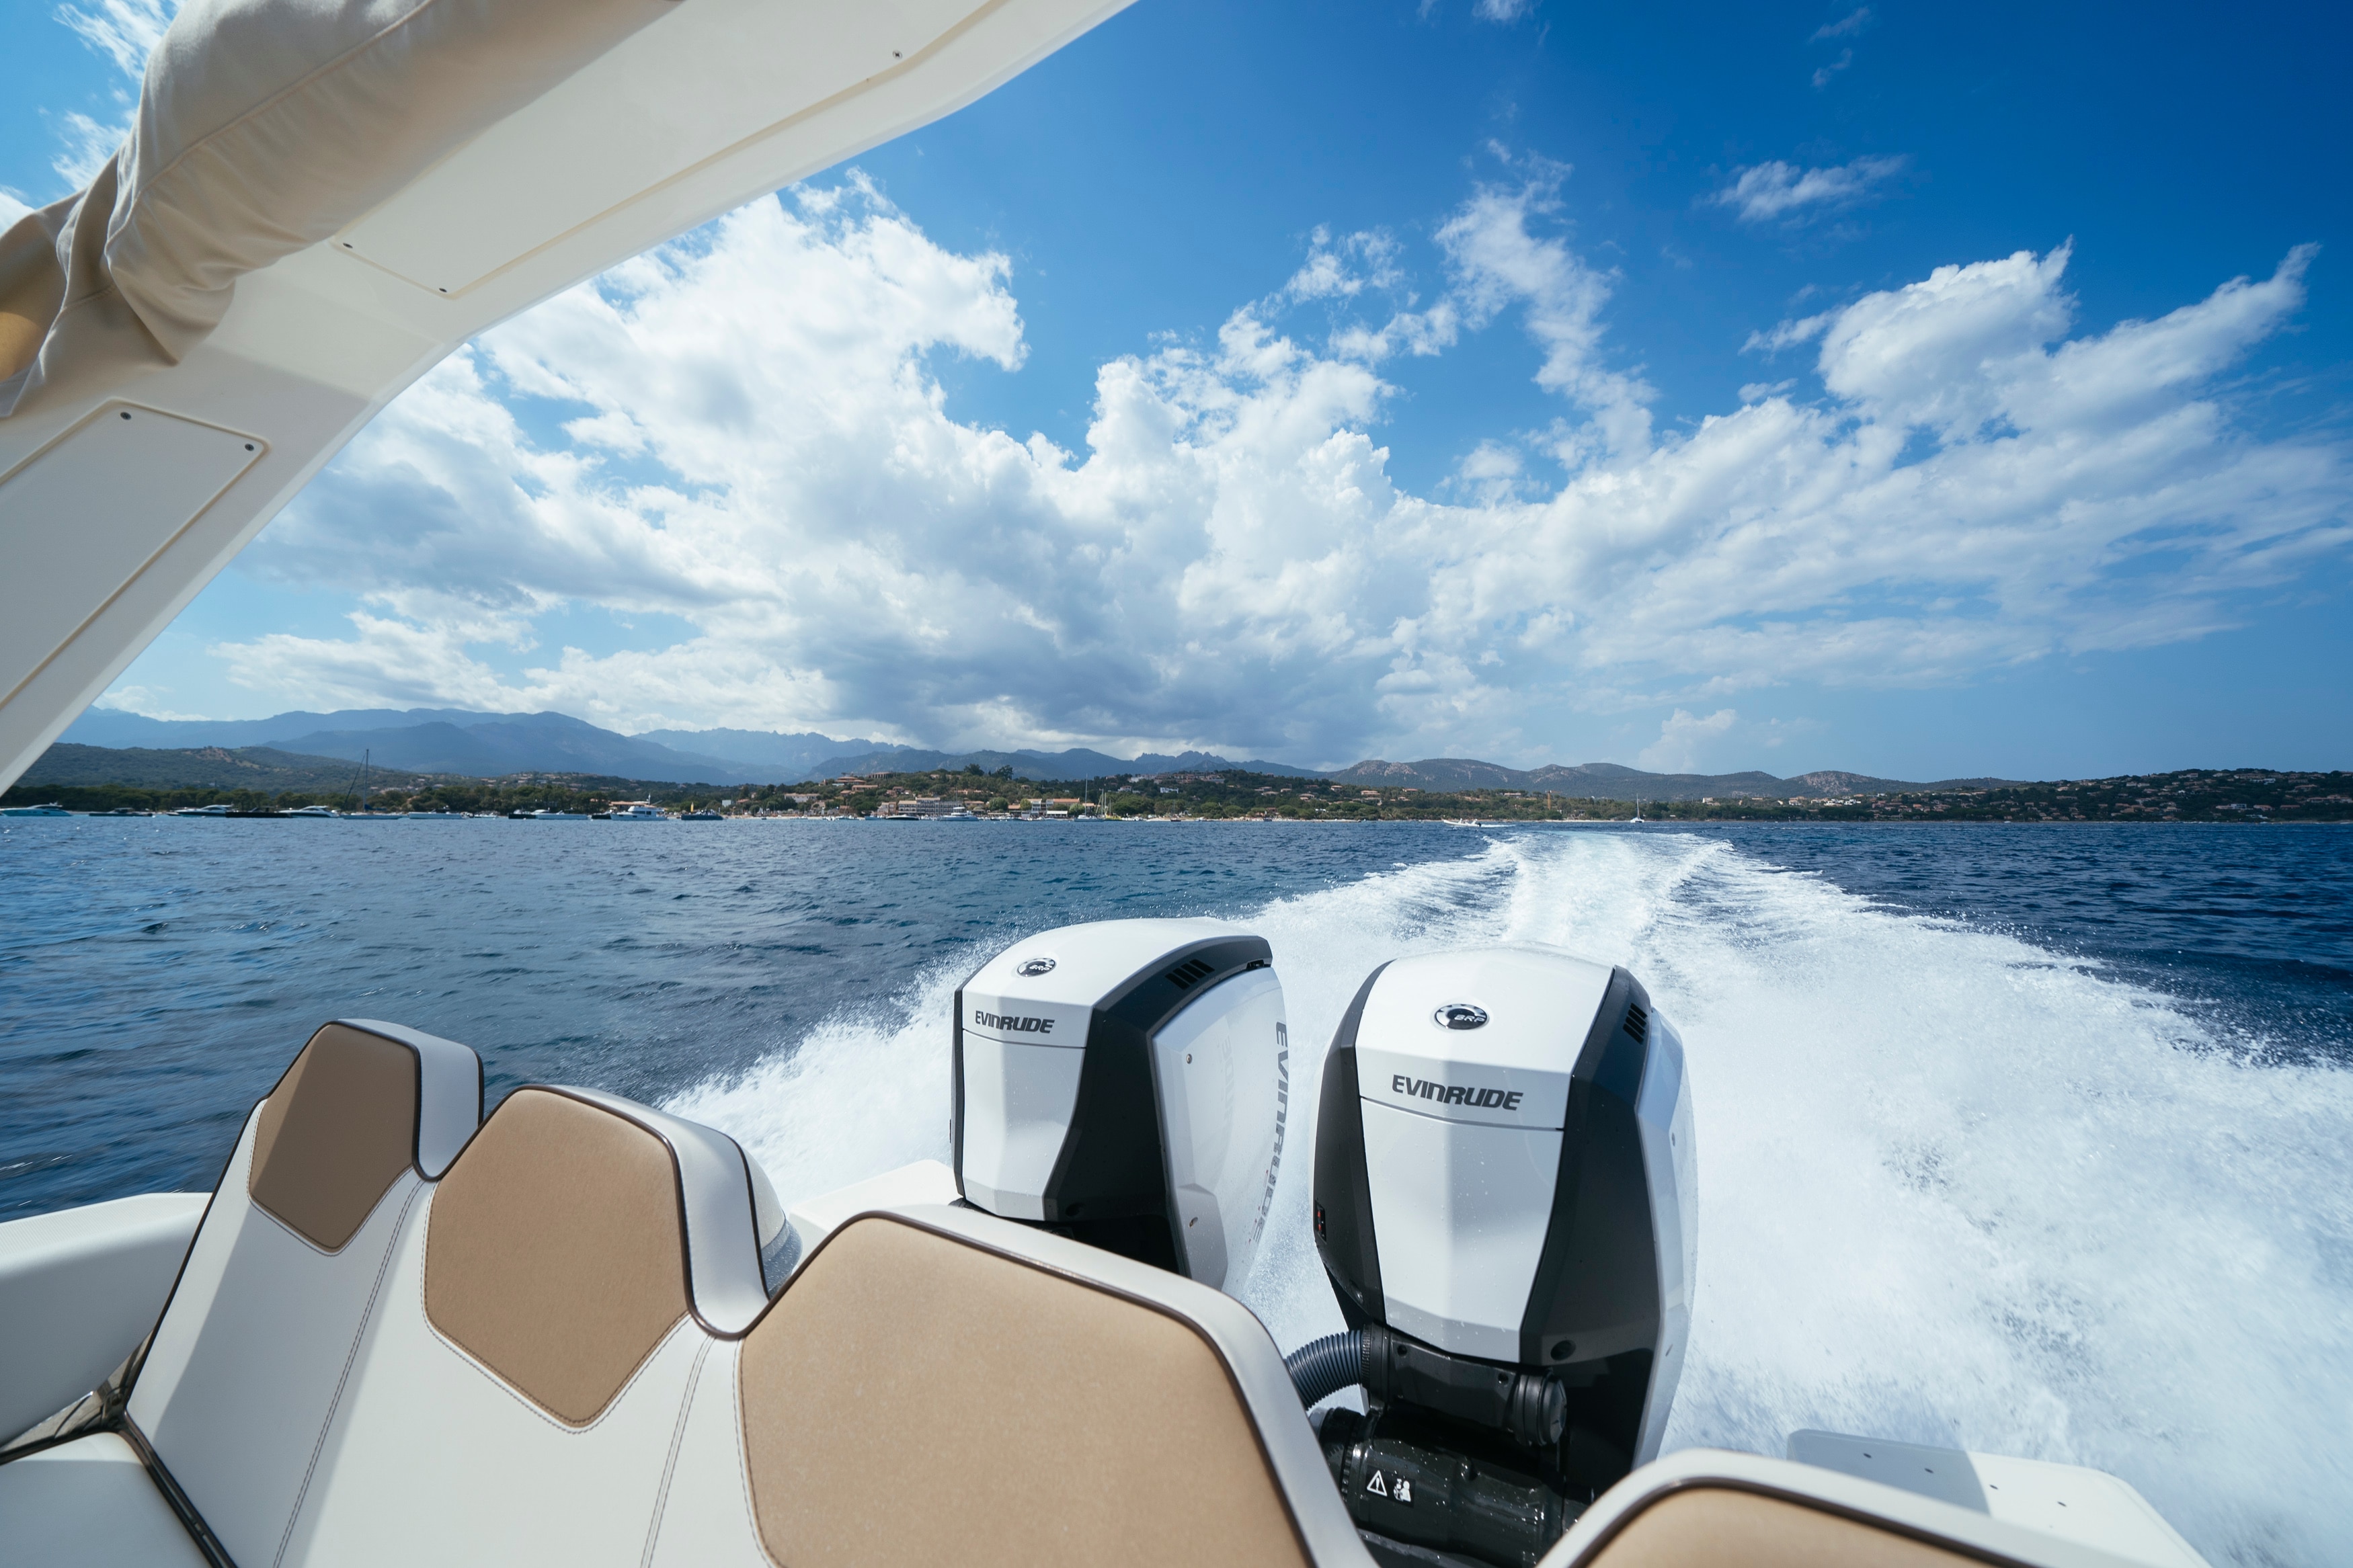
(321, 199)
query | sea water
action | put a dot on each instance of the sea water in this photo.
(2032, 1140)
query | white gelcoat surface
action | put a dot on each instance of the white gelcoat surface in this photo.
(629, 128)
(90, 1503)
(2088, 1507)
(147, 475)
(1460, 1210)
(923, 1182)
(1220, 1067)
(78, 1291)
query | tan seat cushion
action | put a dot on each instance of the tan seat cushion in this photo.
(1719, 1527)
(914, 1399)
(337, 1130)
(556, 1255)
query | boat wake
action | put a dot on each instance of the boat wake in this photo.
(1954, 1189)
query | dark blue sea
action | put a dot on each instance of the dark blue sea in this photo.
(2036, 1140)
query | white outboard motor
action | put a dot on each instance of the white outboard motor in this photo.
(1504, 1203)
(1126, 1083)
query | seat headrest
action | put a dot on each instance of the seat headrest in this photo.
(574, 1232)
(362, 1101)
(1054, 1418)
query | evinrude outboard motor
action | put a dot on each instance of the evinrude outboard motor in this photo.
(1504, 1205)
(1126, 1083)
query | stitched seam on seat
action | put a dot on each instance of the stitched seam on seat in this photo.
(533, 1406)
(676, 1441)
(517, 1394)
(367, 1313)
(257, 1206)
(743, 1456)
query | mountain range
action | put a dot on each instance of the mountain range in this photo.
(484, 745)
(1078, 763)
(493, 745)
(1608, 781)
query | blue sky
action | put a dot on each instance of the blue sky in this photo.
(1772, 386)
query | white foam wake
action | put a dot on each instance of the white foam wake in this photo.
(1952, 1190)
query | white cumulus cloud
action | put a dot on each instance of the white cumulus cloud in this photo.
(1683, 738)
(744, 432)
(125, 32)
(1498, 262)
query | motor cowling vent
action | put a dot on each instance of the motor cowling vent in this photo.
(1638, 1022)
(1189, 973)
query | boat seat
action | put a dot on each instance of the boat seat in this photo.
(518, 1392)
(237, 1388)
(1705, 1526)
(1704, 1507)
(936, 1384)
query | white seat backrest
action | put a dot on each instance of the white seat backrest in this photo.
(547, 1304)
(238, 1387)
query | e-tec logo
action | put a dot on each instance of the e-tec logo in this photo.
(986, 1020)
(1456, 1094)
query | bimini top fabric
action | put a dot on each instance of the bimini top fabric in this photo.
(264, 127)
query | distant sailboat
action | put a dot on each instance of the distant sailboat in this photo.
(1638, 810)
(359, 783)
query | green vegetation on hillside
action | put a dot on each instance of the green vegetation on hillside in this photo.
(259, 778)
(2244, 795)
(91, 778)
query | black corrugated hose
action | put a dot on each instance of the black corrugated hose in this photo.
(1325, 1366)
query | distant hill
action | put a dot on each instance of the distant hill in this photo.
(259, 768)
(534, 742)
(781, 757)
(1078, 763)
(493, 745)
(111, 727)
(1608, 781)
(424, 741)
(496, 745)
(1209, 762)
